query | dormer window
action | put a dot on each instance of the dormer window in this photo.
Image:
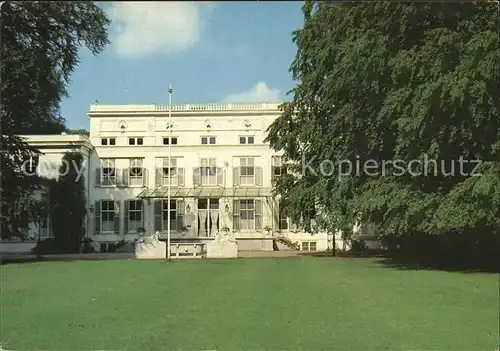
(108, 141)
(208, 140)
(247, 140)
(166, 141)
(135, 141)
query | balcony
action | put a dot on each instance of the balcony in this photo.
(219, 107)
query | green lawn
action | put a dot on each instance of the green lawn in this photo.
(260, 304)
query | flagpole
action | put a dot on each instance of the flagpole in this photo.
(169, 165)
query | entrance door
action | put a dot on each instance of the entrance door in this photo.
(208, 217)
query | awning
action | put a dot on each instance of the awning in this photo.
(204, 192)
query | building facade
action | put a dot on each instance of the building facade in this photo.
(220, 171)
(212, 157)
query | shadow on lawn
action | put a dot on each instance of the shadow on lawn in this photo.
(413, 263)
(29, 258)
(441, 265)
(380, 259)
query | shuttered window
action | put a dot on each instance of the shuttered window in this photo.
(247, 214)
(208, 171)
(247, 173)
(136, 172)
(162, 216)
(134, 215)
(247, 170)
(107, 216)
(108, 172)
(168, 170)
(236, 215)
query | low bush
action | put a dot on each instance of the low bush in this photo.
(87, 246)
(48, 247)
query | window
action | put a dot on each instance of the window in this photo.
(173, 139)
(135, 141)
(108, 175)
(208, 140)
(31, 165)
(169, 171)
(172, 217)
(136, 171)
(133, 216)
(208, 171)
(309, 246)
(247, 214)
(247, 170)
(108, 141)
(208, 223)
(277, 167)
(107, 216)
(283, 221)
(162, 216)
(247, 139)
(247, 173)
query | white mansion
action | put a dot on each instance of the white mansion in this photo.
(221, 173)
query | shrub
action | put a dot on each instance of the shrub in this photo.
(48, 247)
(358, 246)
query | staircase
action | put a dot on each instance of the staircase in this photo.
(284, 244)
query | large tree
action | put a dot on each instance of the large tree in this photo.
(39, 43)
(387, 81)
(67, 204)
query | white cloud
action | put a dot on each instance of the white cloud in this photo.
(259, 93)
(144, 28)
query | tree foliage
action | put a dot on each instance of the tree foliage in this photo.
(78, 132)
(67, 204)
(38, 51)
(17, 202)
(395, 81)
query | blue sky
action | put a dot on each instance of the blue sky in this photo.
(208, 51)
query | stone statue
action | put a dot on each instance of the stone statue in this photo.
(224, 235)
(224, 245)
(190, 219)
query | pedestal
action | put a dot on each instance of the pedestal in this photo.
(222, 249)
(150, 248)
